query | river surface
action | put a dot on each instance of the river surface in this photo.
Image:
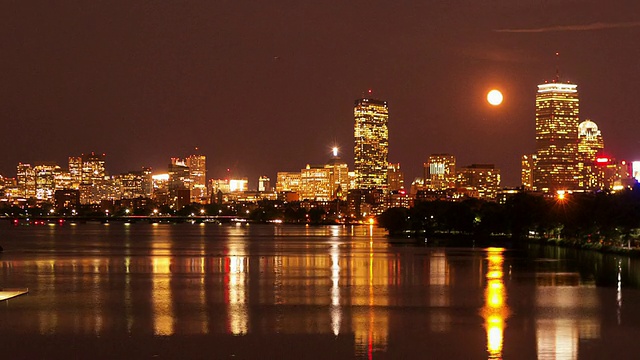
(207, 291)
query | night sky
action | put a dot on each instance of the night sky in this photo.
(267, 86)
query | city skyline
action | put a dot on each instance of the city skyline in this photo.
(263, 88)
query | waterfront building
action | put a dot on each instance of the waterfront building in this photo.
(26, 180)
(315, 183)
(94, 185)
(160, 184)
(590, 146)
(197, 165)
(46, 174)
(557, 111)
(338, 176)
(440, 172)
(482, 179)
(395, 177)
(67, 199)
(287, 181)
(75, 171)
(133, 184)
(227, 186)
(264, 183)
(179, 178)
(371, 146)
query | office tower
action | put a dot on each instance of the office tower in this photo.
(178, 179)
(395, 177)
(440, 172)
(264, 183)
(26, 180)
(198, 177)
(46, 174)
(93, 168)
(528, 166)
(371, 143)
(590, 145)
(75, 170)
(557, 110)
(338, 176)
(482, 179)
(288, 181)
(93, 186)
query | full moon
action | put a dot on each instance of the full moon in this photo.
(494, 97)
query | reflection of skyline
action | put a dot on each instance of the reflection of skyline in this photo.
(566, 313)
(354, 289)
(495, 310)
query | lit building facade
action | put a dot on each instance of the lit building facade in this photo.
(528, 166)
(590, 145)
(557, 111)
(288, 181)
(483, 179)
(338, 176)
(46, 180)
(197, 165)
(440, 172)
(371, 147)
(179, 176)
(93, 186)
(264, 184)
(75, 171)
(315, 183)
(26, 180)
(395, 177)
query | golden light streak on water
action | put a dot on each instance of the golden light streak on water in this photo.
(495, 310)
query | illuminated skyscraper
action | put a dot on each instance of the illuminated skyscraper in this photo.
(371, 143)
(590, 145)
(198, 177)
(440, 172)
(557, 110)
(93, 187)
(26, 180)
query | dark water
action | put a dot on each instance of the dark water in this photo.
(287, 292)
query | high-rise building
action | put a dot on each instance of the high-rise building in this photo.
(178, 178)
(557, 110)
(371, 143)
(440, 172)
(46, 174)
(482, 179)
(93, 186)
(26, 180)
(198, 177)
(75, 170)
(338, 176)
(395, 177)
(528, 166)
(590, 145)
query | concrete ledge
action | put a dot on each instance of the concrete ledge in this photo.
(6, 294)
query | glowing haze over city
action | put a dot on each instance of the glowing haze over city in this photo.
(268, 87)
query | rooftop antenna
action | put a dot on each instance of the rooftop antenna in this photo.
(557, 79)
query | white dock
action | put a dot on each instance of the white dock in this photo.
(6, 294)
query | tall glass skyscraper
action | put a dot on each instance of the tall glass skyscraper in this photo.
(557, 122)
(371, 147)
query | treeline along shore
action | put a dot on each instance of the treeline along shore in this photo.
(600, 221)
